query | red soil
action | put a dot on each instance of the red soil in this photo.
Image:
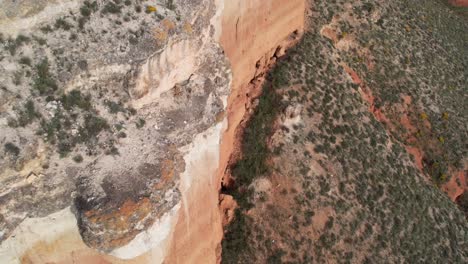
(462, 3)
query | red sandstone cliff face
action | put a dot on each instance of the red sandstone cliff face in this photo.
(253, 34)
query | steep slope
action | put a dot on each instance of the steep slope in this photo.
(330, 170)
(255, 34)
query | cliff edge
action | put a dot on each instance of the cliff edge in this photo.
(118, 120)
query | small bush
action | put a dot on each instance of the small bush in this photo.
(76, 99)
(40, 41)
(140, 123)
(21, 39)
(93, 125)
(78, 158)
(61, 23)
(12, 149)
(170, 4)
(44, 82)
(86, 10)
(46, 29)
(111, 8)
(25, 61)
(121, 134)
(27, 114)
(114, 107)
(65, 145)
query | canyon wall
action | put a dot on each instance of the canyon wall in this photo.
(255, 33)
(157, 201)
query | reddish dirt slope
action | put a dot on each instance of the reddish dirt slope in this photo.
(463, 3)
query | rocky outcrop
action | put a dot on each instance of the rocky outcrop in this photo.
(135, 177)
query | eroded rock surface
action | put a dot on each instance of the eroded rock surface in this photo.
(114, 117)
(106, 99)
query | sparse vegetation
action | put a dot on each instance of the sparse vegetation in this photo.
(44, 83)
(375, 193)
(93, 125)
(13, 45)
(76, 99)
(86, 10)
(111, 8)
(27, 114)
(62, 23)
(114, 107)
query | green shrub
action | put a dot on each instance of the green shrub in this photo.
(276, 257)
(61, 23)
(65, 145)
(121, 134)
(27, 114)
(44, 82)
(51, 128)
(78, 158)
(235, 239)
(12, 149)
(140, 123)
(81, 22)
(76, 99)
(111, 8)
(21, 39)
(25, 61)
(170, 4)
(93, 125)
(88, 8)
(251, 165)
(114, 107)
(40, 41)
